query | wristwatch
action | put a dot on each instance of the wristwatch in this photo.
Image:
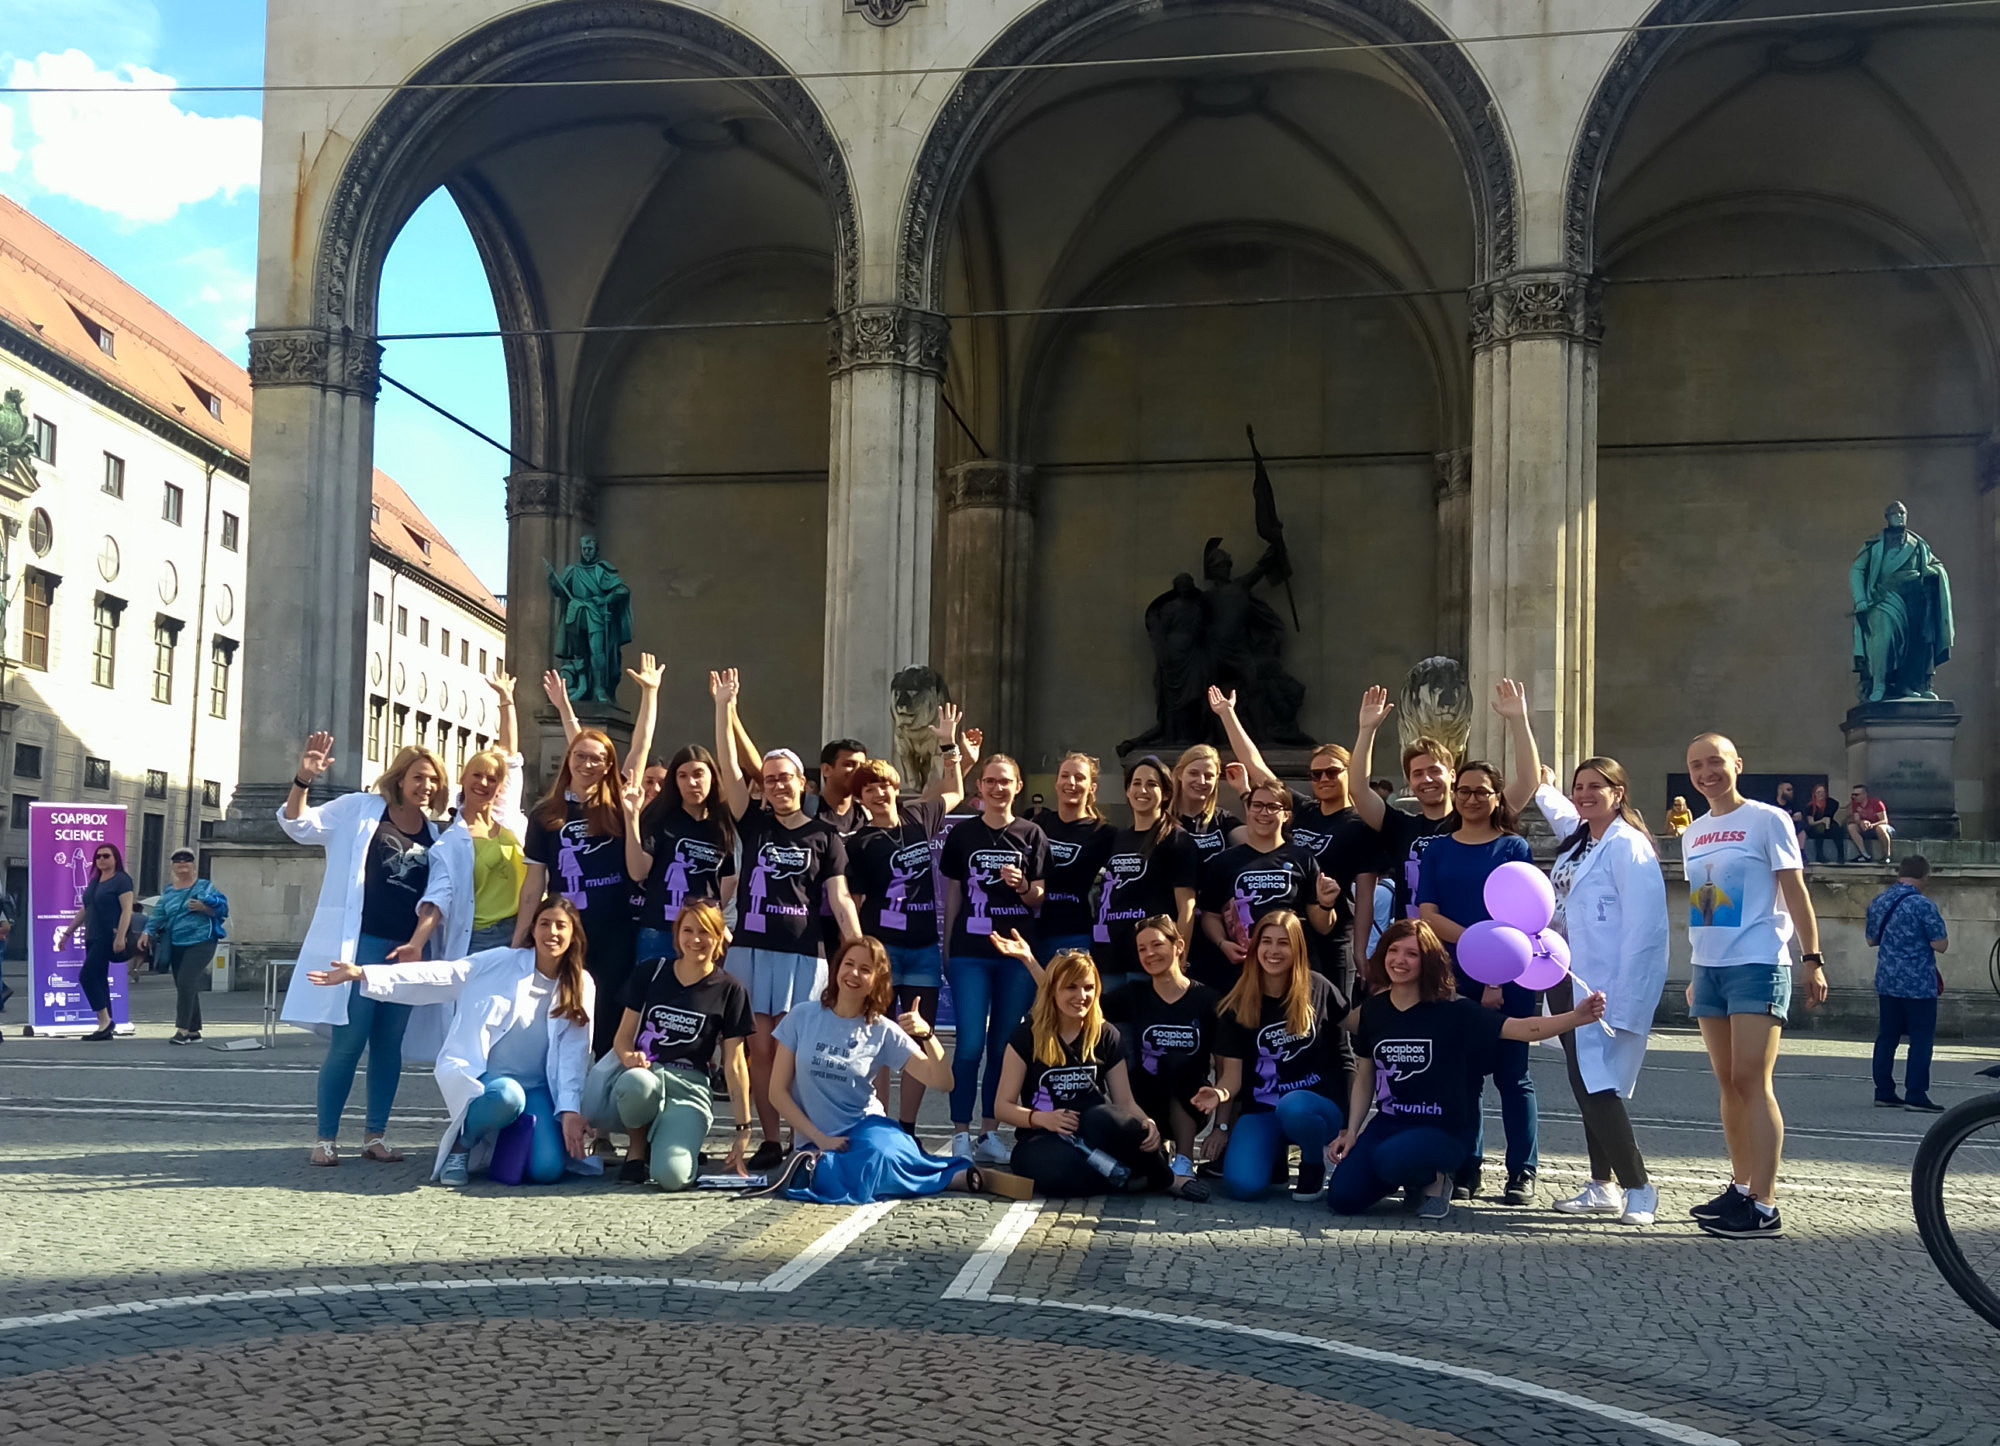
(1814, 958)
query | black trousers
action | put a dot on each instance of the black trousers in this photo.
(610, 966)
(94, 978)
(1058, 1167)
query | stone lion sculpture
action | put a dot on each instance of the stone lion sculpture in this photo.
(915, 694)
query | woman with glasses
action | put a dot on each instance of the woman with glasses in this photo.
(105, 916)
(182, 931)
(1451, 898)
(1264, 873)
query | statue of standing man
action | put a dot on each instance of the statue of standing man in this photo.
(1902, 612)
(593, 624)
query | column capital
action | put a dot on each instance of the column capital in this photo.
(989, 483)
(549, 494)
(888, 335)
(309, 356)
(1568, 305)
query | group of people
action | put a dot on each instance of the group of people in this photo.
(1818, 824)
(1154, 1005)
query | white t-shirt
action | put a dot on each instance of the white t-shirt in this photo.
(523, 1051)
(1735, 913)
(834, 1061)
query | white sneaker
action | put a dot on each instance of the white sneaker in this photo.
(1596, 1198)
(454, 1171)
(1641, 1202)
(961, 1146)
(991, 1151)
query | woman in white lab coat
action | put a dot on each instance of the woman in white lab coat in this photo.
(518, 1042)
(1611, 906)
(377, 870)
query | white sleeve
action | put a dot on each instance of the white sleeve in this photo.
(1557, 809)
(425, 981)
(315, 826)
(507, 809)
(1782, 846)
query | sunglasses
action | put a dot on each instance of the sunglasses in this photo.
(1319, 773)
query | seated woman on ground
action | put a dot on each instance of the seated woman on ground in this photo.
(828, 1051)
(1422, 1051)
(654, 1081)
(518, 1042)
(1065, 1090)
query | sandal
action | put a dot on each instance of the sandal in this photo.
(381, 1152)
(325, 1152)
(1191, 1189)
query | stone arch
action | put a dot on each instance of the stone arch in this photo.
(980, 101)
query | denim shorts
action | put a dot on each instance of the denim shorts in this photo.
(918, 968)
(1724, 989)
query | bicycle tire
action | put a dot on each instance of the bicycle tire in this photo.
(1927, 1179)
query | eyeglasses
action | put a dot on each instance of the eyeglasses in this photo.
(1319, 773)
(1264, 805)
(1475, 793)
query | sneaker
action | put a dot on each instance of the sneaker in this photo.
(991, 1150)
(1311, 1180)
(183, 1039)
(1642, 1203)
(1746, 1222)
(635, 1172)
(1890, 1102)
(1721, 1204)
(718, 1084)
(769, 1156)
(1468, 1184)
(961, 1146)
(1435, 1207)
(1599, 1197)
(454, 1171)
(1923, 1107)
(1520, 1188)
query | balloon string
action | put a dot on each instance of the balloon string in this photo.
(1584, 985)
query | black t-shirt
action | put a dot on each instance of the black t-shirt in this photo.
(1427, 1057)
(1168, 1043)
(1076, 854)
(889, 870)
(1076, 1084)
(689, 864)
(974, 854)
(397, 873)
(587, 868)
(1243, 884)
(785, 872)
(680, 1023)
(1277, 1061)
(1210, 838)
(1343, 845)
(1138, 886)
(101, 910)
(1405, 836)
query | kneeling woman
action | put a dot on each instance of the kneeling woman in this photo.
(518, 1043)
(828, 1052)
(1422, 1049)
(1171, 1036)
(654, 1081)
(1064, 1089)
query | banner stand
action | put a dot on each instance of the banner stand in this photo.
(62, 837)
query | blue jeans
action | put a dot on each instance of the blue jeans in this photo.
(988, 996)
(656, 944)
(504, 1102)
(376, 1026)
(1918, 1019)
(1389, 1155)
(1519, 1115)
(1302, 1117)
(918, 968)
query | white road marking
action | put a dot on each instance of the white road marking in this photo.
(300, 1112)
(974, 1283)
(816, 1256)
(6, 1064)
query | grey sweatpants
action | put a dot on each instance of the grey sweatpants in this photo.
(668, 1104)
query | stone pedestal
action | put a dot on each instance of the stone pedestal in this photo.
(542, 750)
(1903, 752)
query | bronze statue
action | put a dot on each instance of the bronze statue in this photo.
(593, 624)
(17, 444)
(1902, 612)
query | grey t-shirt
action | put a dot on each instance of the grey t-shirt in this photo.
(522, 1053)
(836, 1059)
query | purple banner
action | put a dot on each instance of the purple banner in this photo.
(62, 837)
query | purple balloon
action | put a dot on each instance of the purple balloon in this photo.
(1550, 964)
(1494, 953)
(1520, 894)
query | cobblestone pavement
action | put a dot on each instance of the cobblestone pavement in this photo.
(170, 1267)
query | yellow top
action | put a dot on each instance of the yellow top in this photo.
(498, 870)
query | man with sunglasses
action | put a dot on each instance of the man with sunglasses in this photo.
(1428, 769)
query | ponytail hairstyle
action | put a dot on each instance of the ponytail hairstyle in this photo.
(1168, 821)
(1613, 773)
(715, 812)
(1245, 999)
(1091, 807)
(568, 1003)
(601, 810)
(1503, 816)
(1046, 1020)
(1207, 812)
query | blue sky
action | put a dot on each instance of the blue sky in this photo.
(179, 221)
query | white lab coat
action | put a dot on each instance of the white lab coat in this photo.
(1616, 922)
(450, 887)
(488, 996)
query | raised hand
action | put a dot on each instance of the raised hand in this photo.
(969, 743)
(1510, 700)
(317, 757)
(1376, 707)
(502, 684)
(724, 686)
(556, 689)
(1220, 701)
(948, 719)
(632, 799)
(1235, 774)
(647, 674)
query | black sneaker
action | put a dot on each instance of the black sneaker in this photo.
(635, 1172)
(769, 1156)
(1890, 1102)
(718, 1083)
(1520, 1188)
(1720, 1205)
(1281, 1168)
(1923, 1107)
(1311, 1180)
(1745, 1222)
(1468, 1184)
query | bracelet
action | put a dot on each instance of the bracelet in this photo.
(1815, 958)
(743, 1129)
(304, 783)
(925, 1038)
(949, 750)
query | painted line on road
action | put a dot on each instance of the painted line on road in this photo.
(217, 1114)
(174, 1068)
(974, 1283)
(1812, 1132)
(818, 1255)
(154, 1103)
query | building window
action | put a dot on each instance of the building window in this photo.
(402, 620)
(464, 653)
(18, 816)
(374, 512)
(41, 532)
(166, 633)
(114, 475)
(97, 773)
(381, 607)
(464, 742)
(444, 641)
(208, 399)
(221, 657)
(27, 760)
(211, 793)
(482, 662)
(171, 503)
(156, 783)
(231, 532)
(152, 850)
(97, 333)
(45, 441)
(401, 719)
(378, 719)
(104, 614)
(423, 730)
(36, 594)
(423, 632)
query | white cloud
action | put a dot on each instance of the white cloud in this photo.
(9, 157)
(137, 155)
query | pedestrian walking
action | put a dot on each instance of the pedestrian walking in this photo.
(182, 932)
(1907, 931)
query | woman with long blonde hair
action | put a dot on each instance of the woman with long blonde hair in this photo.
(1283, 1021)
(1079, 842)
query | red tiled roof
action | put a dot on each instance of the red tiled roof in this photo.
(401, 527)
(55, 290)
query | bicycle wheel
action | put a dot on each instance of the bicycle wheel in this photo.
(1955, 1189)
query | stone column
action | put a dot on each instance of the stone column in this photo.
(1989, 549)
(547, 516)
(887, 362)
(1533, 503)
(989, 539)
(1454, 548)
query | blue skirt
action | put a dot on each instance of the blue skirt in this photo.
(880, 1162)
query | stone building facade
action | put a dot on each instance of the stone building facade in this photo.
(1589, 357)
